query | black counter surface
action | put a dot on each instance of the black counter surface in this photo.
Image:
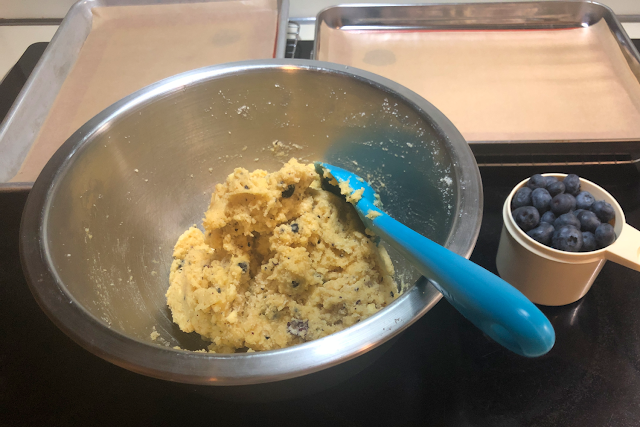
(441, 372)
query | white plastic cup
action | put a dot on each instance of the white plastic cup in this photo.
(549, 276)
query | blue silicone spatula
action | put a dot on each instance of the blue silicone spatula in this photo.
(490, 303)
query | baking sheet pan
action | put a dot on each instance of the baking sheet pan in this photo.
(524, 82)
(52, 102)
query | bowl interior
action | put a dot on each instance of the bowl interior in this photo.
(121, 200)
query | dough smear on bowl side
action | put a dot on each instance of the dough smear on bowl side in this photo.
(280, 262)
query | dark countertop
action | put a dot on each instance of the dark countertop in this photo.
(441, 372)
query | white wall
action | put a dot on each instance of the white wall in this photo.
(16, 9)
(299, 8)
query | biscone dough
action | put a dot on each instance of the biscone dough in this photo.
(280, 262)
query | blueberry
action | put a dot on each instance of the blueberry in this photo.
(603, 210)
(537, 181)
(567, 238)
(542, 233)
(540, 198)
(521, 198)
(567, 219)
(563, 203)
(556, 188)
(288, 192)
(527, 217)
(550, 180)
(605, 235)
(577, 211)
(588, 242)
(572, 184)
(588, 221)
(548, 217)
(584, 199)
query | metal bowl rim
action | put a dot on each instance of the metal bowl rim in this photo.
(237, 369)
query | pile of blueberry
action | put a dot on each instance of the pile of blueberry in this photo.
(557, 214)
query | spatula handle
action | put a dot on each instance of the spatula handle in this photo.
(490, 303)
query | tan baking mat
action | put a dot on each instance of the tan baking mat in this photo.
(569, 84)
(130, 47)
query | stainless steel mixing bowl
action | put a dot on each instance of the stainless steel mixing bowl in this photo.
(100, 223)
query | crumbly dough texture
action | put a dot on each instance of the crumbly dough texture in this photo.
(280, 262)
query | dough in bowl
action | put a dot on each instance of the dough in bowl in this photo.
(280, 262)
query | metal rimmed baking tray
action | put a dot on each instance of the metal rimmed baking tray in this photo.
(350, 34)
(29, 112)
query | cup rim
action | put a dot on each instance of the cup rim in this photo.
(548, 250)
